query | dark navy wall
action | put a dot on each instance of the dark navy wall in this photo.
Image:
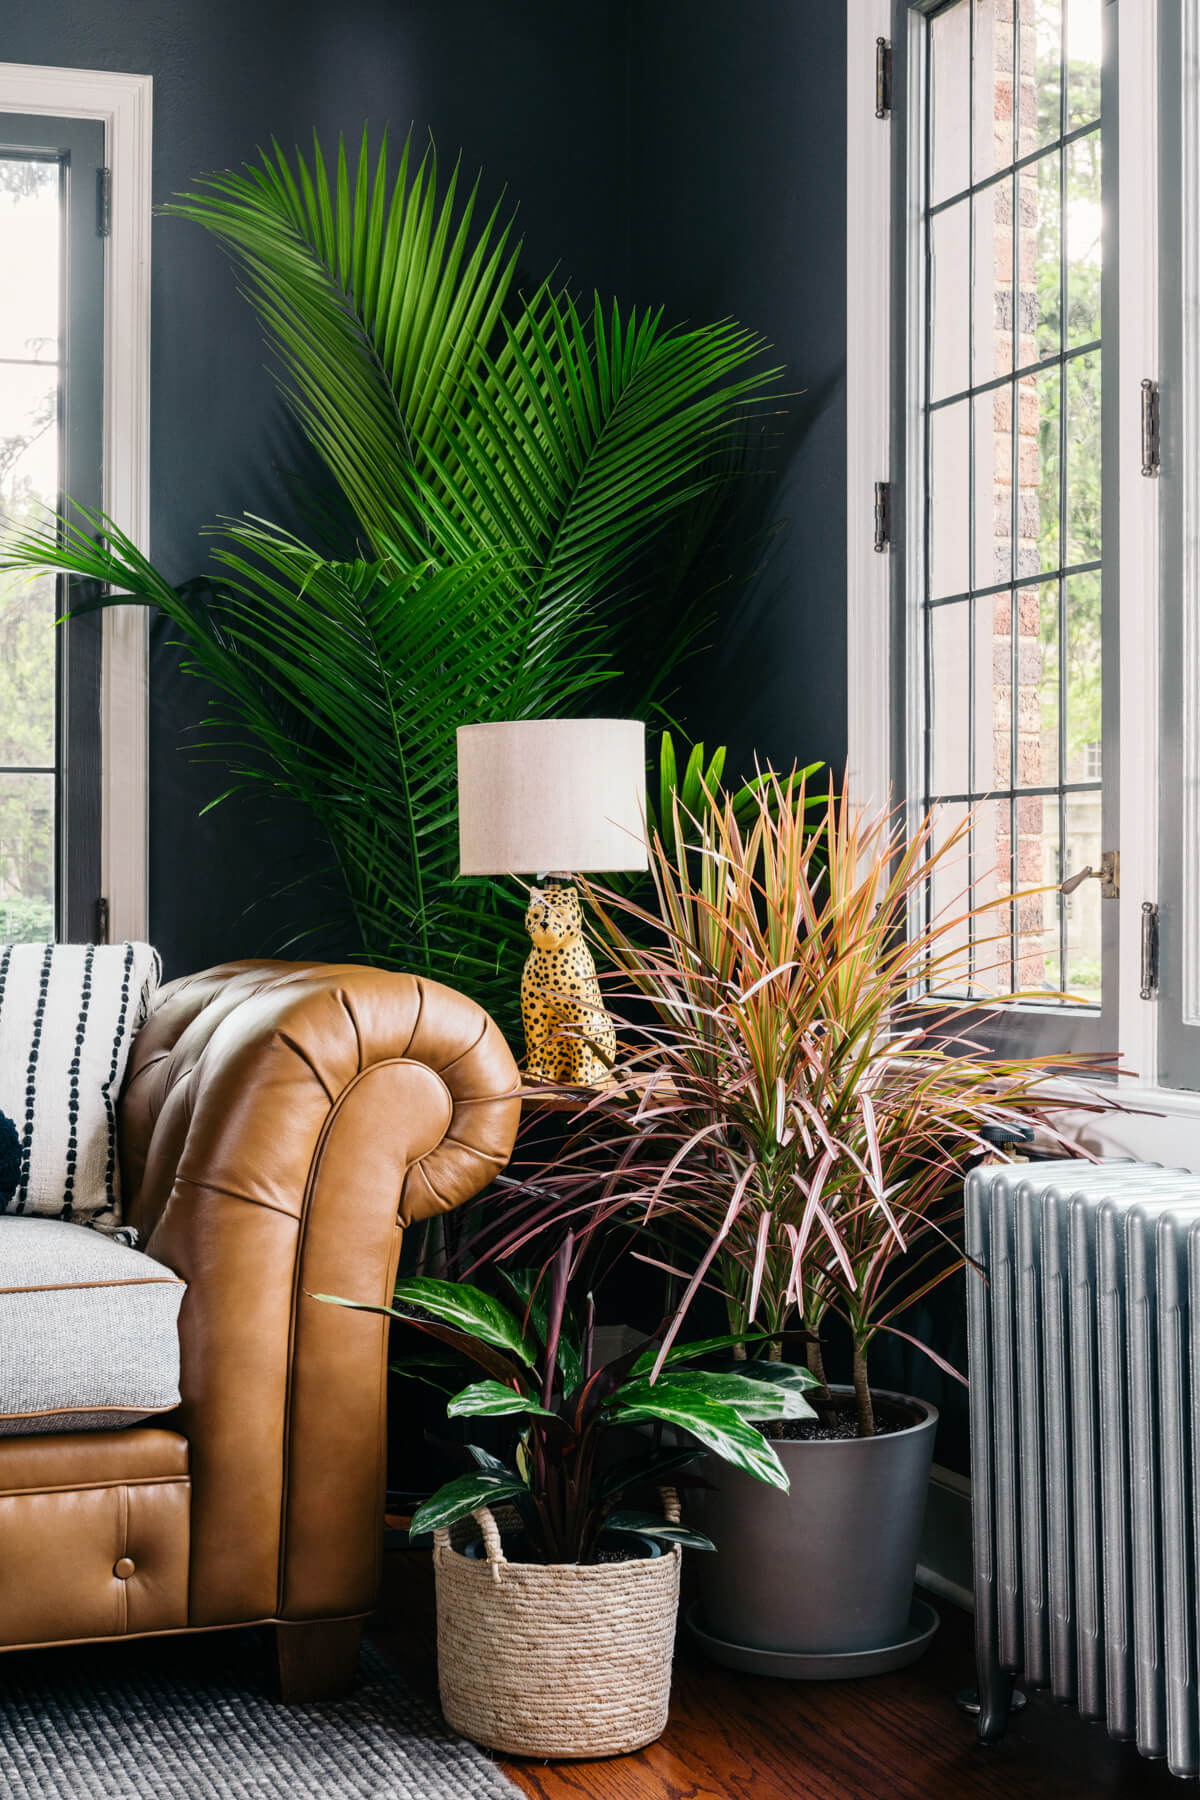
(532, 90)
(682, 151)
(738, 206)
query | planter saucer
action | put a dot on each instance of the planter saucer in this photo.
(841, 1665)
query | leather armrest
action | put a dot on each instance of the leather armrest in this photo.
(280, 1123)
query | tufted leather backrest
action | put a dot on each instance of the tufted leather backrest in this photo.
(279, 1122)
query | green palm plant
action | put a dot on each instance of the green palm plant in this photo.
(510, 463)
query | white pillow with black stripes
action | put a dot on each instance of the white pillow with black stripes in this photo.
(68, 1015)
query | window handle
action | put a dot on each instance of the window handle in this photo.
(1108, 875)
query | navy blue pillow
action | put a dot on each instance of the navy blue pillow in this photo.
(10, 1160)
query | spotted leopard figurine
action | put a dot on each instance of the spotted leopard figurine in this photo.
(568, 1035)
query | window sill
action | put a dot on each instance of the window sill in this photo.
(1154, 1124)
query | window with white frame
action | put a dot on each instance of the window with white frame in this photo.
(1010, 218)
(74, 424)
(1009, 707)
(51, 438)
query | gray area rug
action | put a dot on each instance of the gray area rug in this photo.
(193, 1719)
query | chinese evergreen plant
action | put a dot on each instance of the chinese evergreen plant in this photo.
(539, 1367)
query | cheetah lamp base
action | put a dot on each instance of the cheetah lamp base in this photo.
(569, 1037)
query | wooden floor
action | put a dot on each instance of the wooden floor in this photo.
(737, 1737)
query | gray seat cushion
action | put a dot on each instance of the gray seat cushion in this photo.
(89, 1334)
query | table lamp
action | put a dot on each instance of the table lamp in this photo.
(553, 798)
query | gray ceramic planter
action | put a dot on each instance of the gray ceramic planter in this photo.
(827, 1568)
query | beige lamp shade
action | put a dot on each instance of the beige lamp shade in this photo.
(552, 796)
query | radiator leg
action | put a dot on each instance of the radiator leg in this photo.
(994, 1696)
(996, 1701)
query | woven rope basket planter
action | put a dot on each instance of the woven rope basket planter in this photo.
(554, 1659)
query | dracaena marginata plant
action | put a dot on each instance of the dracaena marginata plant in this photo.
(518, 472)
(539, 1368)
(802, 1086)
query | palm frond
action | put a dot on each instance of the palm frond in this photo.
(510, 462)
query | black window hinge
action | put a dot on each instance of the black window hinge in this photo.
(100, 921)
(883, 78)
(1149, 956)
(883, 515)
(1151, 435)
(104, 202)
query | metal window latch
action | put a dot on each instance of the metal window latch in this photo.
(1151, 428)
(1108, 875)
(883, 515)
(883, 78)
(100, 920)
(1149, 957)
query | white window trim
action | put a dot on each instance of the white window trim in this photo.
(870, 686)
(1189, 410)
(1138, 508)
(868, 409)
(123, 104)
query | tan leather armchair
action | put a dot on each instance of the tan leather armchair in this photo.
(279, 1126)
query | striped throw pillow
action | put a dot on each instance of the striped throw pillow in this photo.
(68, 1013)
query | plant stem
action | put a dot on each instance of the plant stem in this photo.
(816, 1366)
(864, 1412)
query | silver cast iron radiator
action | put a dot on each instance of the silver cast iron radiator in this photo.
(1084, 1327)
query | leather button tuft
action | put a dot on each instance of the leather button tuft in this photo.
(124, 1568)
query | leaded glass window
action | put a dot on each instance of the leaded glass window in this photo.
(1011, 617)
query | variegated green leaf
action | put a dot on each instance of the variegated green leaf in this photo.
(463, 1496)
(718, 1427)
(468, 1309)
(491, 1399)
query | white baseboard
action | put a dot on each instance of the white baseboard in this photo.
(944, 1560)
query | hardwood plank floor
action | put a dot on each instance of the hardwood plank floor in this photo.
(737, 1737)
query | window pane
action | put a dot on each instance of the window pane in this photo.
(993, 87)
(1037, 911)
(1084, 733)
(28, 484)
(992, 476)
(1041, 73)
(1037, 686)
(26, 858)
(27, 668)
(28, 438)
(949, 696)
(1082, 908)
(1041, 451)
(950, 92)
(991, 678)
(1041, 256)
(950, 491)
(950, 895)
(992, 302)
(1083, 239)
(1083, 451)
(1043, 623)
(950, 312)
(1084, 44)
(29, 248)
(992, 869)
